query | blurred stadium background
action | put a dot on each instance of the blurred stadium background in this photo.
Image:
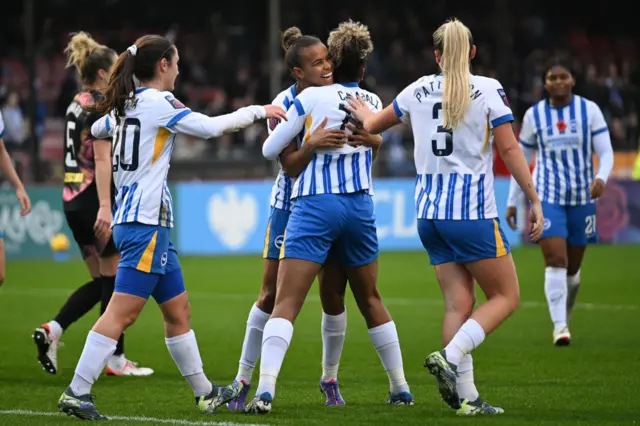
(231, 57)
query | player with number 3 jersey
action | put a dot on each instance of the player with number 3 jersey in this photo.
(455, 117)
(145, 121)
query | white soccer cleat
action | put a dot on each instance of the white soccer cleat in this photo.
(130, 369)
(47, 348)
(562, 337)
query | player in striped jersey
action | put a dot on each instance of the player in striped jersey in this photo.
(333, 210)
(6, 167)
(306, 59)
(147, 120)
(87, 164)
(563, 132)
(455, 117)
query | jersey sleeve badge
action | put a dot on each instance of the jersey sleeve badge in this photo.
(176, 104)
(504, 98)
(273, 122)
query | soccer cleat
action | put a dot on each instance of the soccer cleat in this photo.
(562, 337)
(471, 408)
(331, 391)
(445, 374)
(130, 369)
(260, 404)
(47, 348)
(402, 398)
(239, 403)
(80, 406)
(218, 396)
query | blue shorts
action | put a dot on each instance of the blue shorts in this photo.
(341, 223)
(576, 224)
(462, 241)
(275, 233)
(149, 264)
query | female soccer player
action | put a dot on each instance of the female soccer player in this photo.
(454, 117)
(147, 119)
(562, 132)
(333, 211)
(306, 60)
(6, 167)
(82, 201)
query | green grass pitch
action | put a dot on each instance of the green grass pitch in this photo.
(594, 381)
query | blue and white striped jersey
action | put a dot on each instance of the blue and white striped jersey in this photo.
(563, 139)
(455, 168)
(331, 171)
(283, 186)
(142, 147)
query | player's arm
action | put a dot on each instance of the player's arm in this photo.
(102, 158)
(376, 123)
(183, 120)
(529, 146)
(601, 141)
(285, 132)
(6, 166)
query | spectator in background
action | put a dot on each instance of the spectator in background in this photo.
(15, 129)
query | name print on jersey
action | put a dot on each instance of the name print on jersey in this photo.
(367, 98)
(436, 86)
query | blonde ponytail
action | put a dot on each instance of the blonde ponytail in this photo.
(80, 47)
(453, 39)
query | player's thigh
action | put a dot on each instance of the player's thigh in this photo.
(82, 230)
(457, 287)
(108, 257)
(358, 242)
(437, 248)
(3, 261)
(496, 277)
(333, 285)
(171, 281)
(314, 223)
(581, 225)
(274, 234)
(472, 240)
(295, 278)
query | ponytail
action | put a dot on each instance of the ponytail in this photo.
(453, 40)
(121, 86)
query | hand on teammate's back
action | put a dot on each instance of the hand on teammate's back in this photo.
(274, 111)
(360, 136)
(323, 138)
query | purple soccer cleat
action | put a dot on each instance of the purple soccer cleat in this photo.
(239, 403)
(331, 391)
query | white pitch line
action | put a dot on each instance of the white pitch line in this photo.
(131, 419)
(391, 301)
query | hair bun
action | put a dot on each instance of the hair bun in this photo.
(290, 36)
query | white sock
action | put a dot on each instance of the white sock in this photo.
(469, 337)
(385, 339)
(97, 349)
(252, 343)
(555, 288)
(464, 384)
(117, 362)
(185, 353)
(55, 329)
(277, 337)
(573, 285)
(334, 329)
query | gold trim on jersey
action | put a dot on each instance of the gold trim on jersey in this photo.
(73, 177)
(161, 138)
(307, 123)
(146, 260)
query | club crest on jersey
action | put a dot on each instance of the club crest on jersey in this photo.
(176, 104)
(504, 98)
(273, 122)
